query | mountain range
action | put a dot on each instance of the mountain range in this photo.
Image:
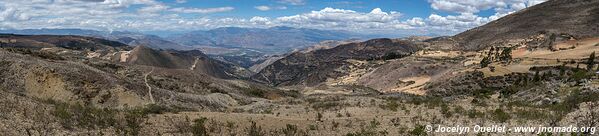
(533, 67)
(130, 38)
(274, 40)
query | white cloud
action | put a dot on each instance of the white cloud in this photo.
(181, 1)
(293, 2)
(416, 22)
(202, 10)
(262, 8)
(341, 15)
(466, 10)
(475, 6)
(260, 21)
(13, 14)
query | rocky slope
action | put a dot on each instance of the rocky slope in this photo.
(110, 74)
(312, 68)
(578, 18)
(192, 60)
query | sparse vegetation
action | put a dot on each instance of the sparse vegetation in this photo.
(36, 53)
(356, 88)
(255, 130)
(369, 130)
(390, 105)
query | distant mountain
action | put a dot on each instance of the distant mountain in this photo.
(130, 38)
(577, 18)
(275, 40)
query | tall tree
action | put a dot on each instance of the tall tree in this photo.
(591, 61)
(485, 62)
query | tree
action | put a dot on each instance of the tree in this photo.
(591, 61)
(485, 62)
(506, 54)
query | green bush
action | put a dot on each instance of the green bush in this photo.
(500, 116)
(473, 113)
(198, 128)
(445, 110)
(581, 74)
(419, 130)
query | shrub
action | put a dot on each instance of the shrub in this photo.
(198, 128)
(580, 74)
(445, 110)
(319, 116)
(473, 113)
(419, 130)
(591, 61)
(290, 130)
(256, 92)
(500, 116)
(255, 130)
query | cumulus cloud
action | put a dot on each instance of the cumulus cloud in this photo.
(466, 10)
(474, 6)
(376, 20)
(341, 15)
(181, 1)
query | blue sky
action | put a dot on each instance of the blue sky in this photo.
(394, 17)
